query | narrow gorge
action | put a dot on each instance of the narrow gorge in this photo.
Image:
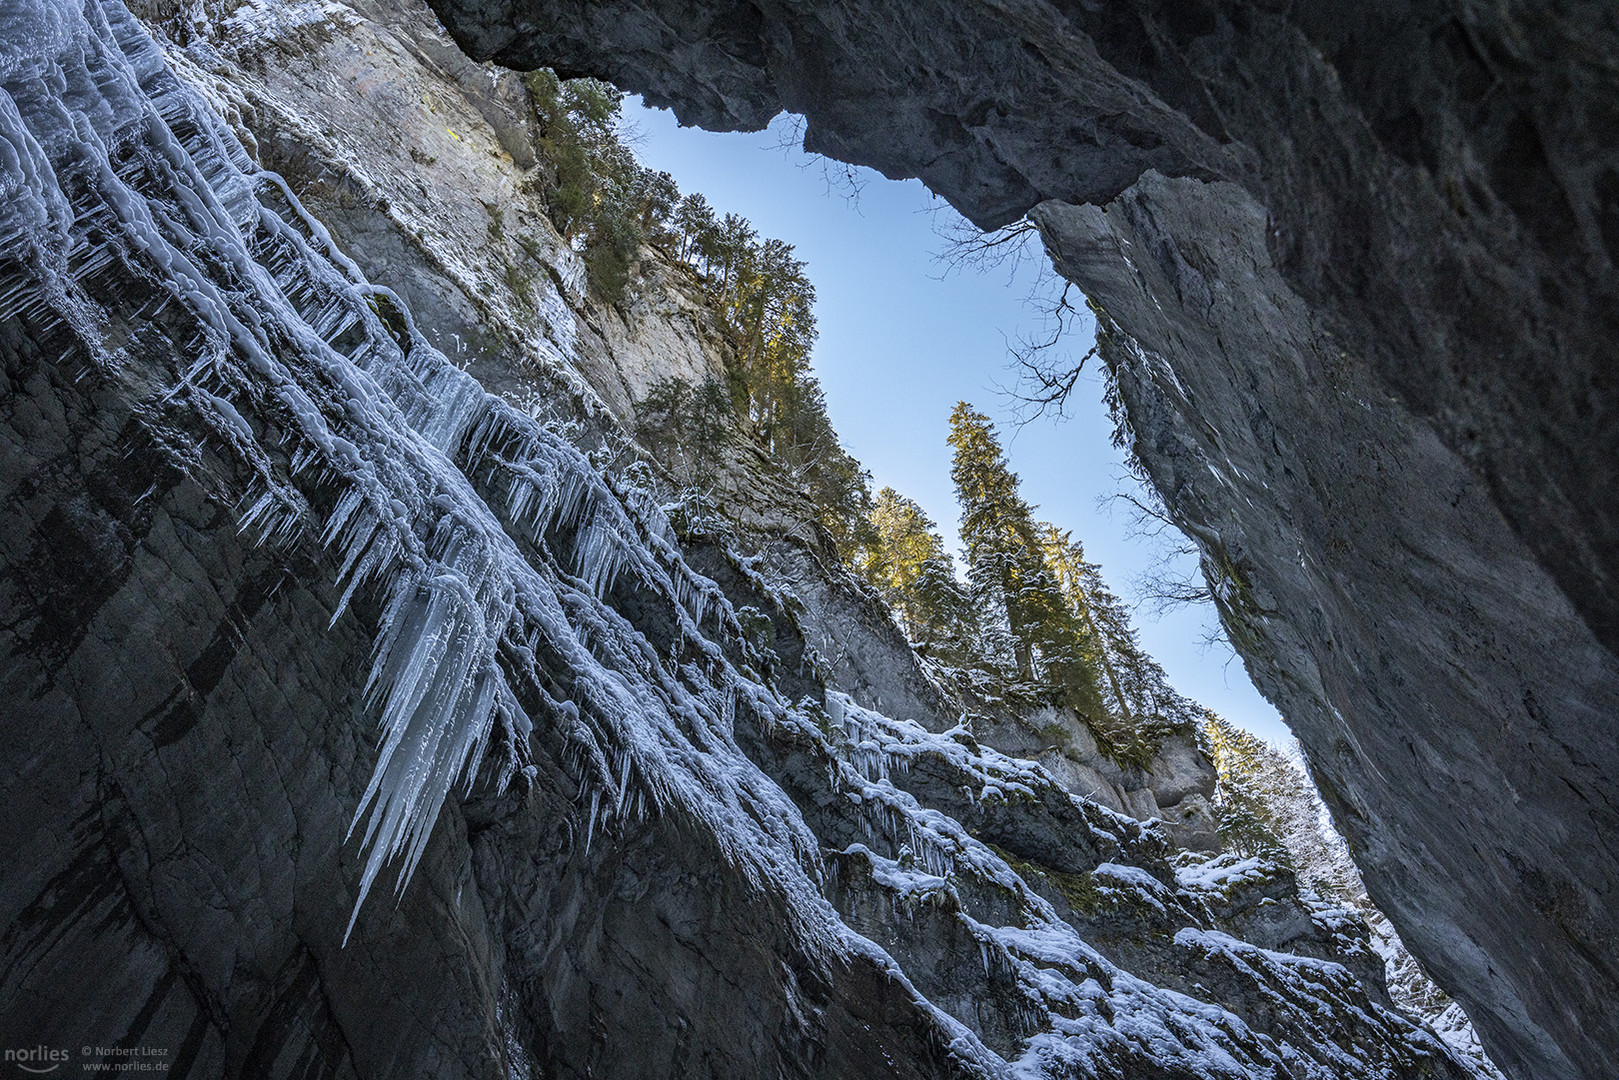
(376, 703)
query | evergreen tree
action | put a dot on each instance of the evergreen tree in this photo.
(1080, 585)
(1249, 824)
(904, 539)
(601, 198)
(1268, 806)
(766, 303)
(578, 121)
(695, 228)
(597, 191)
(905, 560)
(686, 427)
(1143, 706)
(948, 628)
(1008, 572)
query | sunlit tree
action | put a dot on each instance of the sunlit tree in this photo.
(1008, 572)
(906, 561)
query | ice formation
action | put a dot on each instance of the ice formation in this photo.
(367, 438)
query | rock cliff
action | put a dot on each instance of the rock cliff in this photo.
(443, 203)
(1357, 272)
(297, 613)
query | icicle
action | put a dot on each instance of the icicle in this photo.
(590, 822)
(598, 555)
(279, 339)
(728, 709)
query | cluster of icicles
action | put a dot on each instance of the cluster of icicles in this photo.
(488, 538)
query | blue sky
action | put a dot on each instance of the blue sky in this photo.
(902, 341)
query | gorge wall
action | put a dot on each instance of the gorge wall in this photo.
(324, 558)
(1357, 270)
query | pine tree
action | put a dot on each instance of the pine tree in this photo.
(948, 628)
(1261, 784)
(906, 561)
(597, 193)
(1019, 598)
(1143, 706)
(997, 530)
(686, 427)
(903, 540)
(1079, 582)
(1249, 824)
(596, 190)
(694, 226)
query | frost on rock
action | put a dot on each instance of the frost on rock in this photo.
(496, 561)
(1038, 961)
(352, 432)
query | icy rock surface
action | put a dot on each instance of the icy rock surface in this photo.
(297, 615)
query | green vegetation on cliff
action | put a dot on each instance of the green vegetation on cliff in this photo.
(1034, 623)
(905, 560)
(613, 208)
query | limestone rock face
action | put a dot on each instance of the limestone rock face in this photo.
(1404, 474)
(1175, 787)
(1412, 581)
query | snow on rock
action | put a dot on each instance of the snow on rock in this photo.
(1054, 989)
(1219, 874)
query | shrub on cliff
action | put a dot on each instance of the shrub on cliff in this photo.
(686, 427)
(597, 193)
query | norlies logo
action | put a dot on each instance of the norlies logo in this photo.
(36, 1059)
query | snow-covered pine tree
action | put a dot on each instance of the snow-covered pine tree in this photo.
(1268, 807)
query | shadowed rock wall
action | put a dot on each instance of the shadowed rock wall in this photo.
(1388, 329)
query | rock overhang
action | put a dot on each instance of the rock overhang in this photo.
(1434, 186)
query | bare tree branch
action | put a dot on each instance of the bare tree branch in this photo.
(967, 247)
(1151, 518)
(1170, 582)
(1047, 374)
(837, 177)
